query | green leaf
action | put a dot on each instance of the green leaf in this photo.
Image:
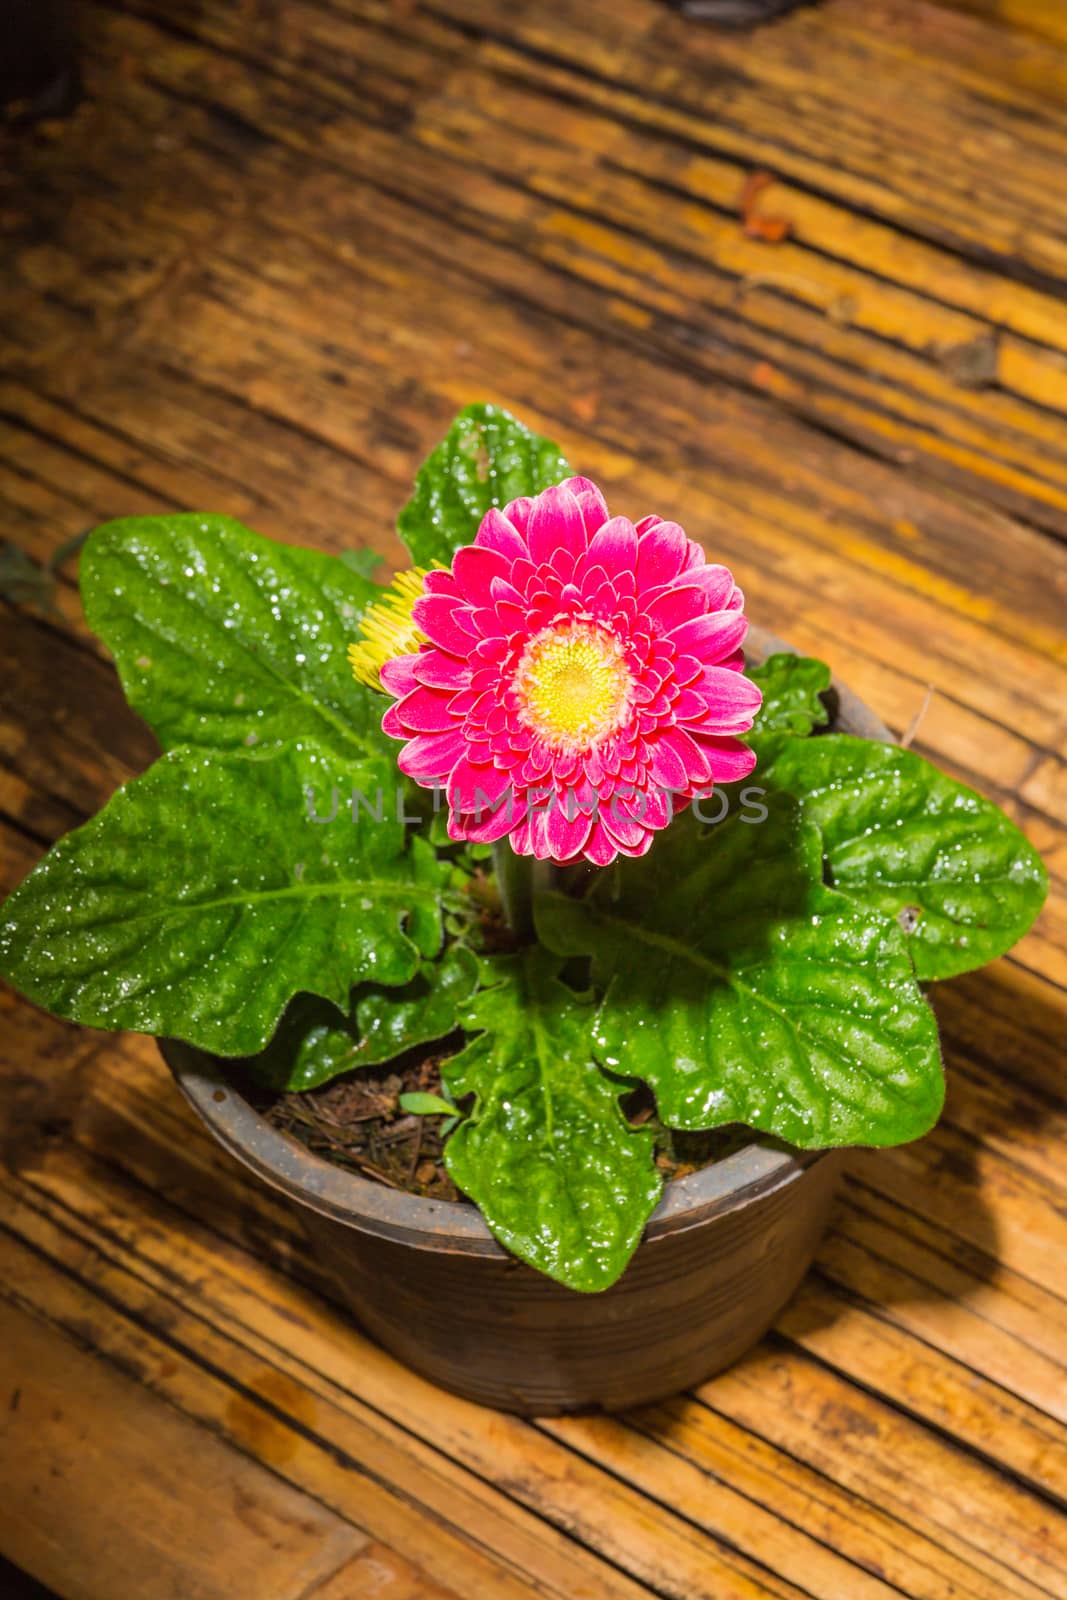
(742, 989)
(487, 459)
(905, 839)
(363, 561)
(227, 640)
(425, 1105)
(316, 1042)
(25, 582)
(70, 547)
(561, 1178)
(791, 688)
(203, 897)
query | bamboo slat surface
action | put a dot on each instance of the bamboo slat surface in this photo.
(275, 249)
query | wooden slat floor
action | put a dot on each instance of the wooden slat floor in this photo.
(275, 249)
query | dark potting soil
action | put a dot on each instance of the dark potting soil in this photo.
(356, 1121)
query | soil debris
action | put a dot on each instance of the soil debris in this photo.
(356, 1121)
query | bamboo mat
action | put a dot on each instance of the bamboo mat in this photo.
(277, 247)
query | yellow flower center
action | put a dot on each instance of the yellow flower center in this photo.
(387, 628)
(573, 685)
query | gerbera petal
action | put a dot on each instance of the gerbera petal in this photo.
(594, 508)
(469, 703)
(728, 759)
(476, 787)
(579, 485)
(687, 670)
(591, 502)
(502, 618)
(445, 623)
(710, 637)
(507, 816)
(673, 606)
(666, 766)
(503, 589)
(661, 550)
(475, 568)
(659, 809)
(518, 513)
(605, 602)
(563, 565)
(590, 580)
(593, 767)
(520, 836)
(556, 524)
(523, 574)
(499, 531)
(437, 670)
(600, 848)
(693, 756)
(613, 547)
(641, 848)
(398, 675)
(438, 582)
(567, 828)
(690, 706)
(729, 696)
(626, 831)
(717, 583)
(430, 757)
(651, 806)
(425, 711)
(540, 848)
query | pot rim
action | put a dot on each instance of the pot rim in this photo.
(747, 1174)
(360, 1202)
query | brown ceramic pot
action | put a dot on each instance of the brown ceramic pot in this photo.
(736, 13)
(721, 1255)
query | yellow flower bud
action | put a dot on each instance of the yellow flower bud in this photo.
(387, 628)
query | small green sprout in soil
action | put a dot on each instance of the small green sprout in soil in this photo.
(359, 1122)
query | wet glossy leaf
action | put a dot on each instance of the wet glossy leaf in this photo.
(203, 897)
(424, 1105)
(742, 989)
(224, 639)
(316, 1041)
(904, 838)
(561, 1178)
(363, 561)
(791, 688)
(487, 459)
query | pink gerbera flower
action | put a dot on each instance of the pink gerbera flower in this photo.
(581, 682)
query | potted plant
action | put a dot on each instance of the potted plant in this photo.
(630, 934)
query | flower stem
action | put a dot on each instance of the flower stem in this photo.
(515, 880)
